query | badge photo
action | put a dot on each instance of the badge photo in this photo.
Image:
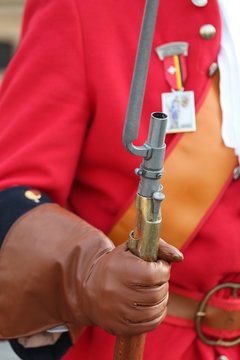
(179, 106)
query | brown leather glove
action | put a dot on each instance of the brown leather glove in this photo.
(57, 269)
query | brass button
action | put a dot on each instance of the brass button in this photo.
(212, 69)
(33, 195)
(207, 31)
(200, 3)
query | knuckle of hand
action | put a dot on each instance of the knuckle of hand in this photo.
(160, 299)
(153, 275)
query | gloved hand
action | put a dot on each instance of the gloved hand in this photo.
(56, 269)
(124, 294)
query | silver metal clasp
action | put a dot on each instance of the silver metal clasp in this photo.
(236, 173)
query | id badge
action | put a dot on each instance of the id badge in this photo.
(180, 108)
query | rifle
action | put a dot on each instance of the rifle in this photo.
(143, 240)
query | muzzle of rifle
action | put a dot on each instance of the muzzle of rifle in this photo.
(143, 240)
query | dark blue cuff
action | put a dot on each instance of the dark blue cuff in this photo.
(14, 202)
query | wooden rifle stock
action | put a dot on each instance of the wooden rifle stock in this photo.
(129, 347)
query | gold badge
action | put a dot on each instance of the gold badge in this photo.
(34, 195)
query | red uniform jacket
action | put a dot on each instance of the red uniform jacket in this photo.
(63, 104)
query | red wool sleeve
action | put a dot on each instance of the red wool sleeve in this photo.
(44, 106)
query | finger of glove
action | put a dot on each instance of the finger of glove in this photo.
(169, 252)
(144, 274)
(135, 271)
(145, 312)
(144, 326)
(147, 297)
(131, 304)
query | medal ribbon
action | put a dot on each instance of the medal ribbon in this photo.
(175, 70)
